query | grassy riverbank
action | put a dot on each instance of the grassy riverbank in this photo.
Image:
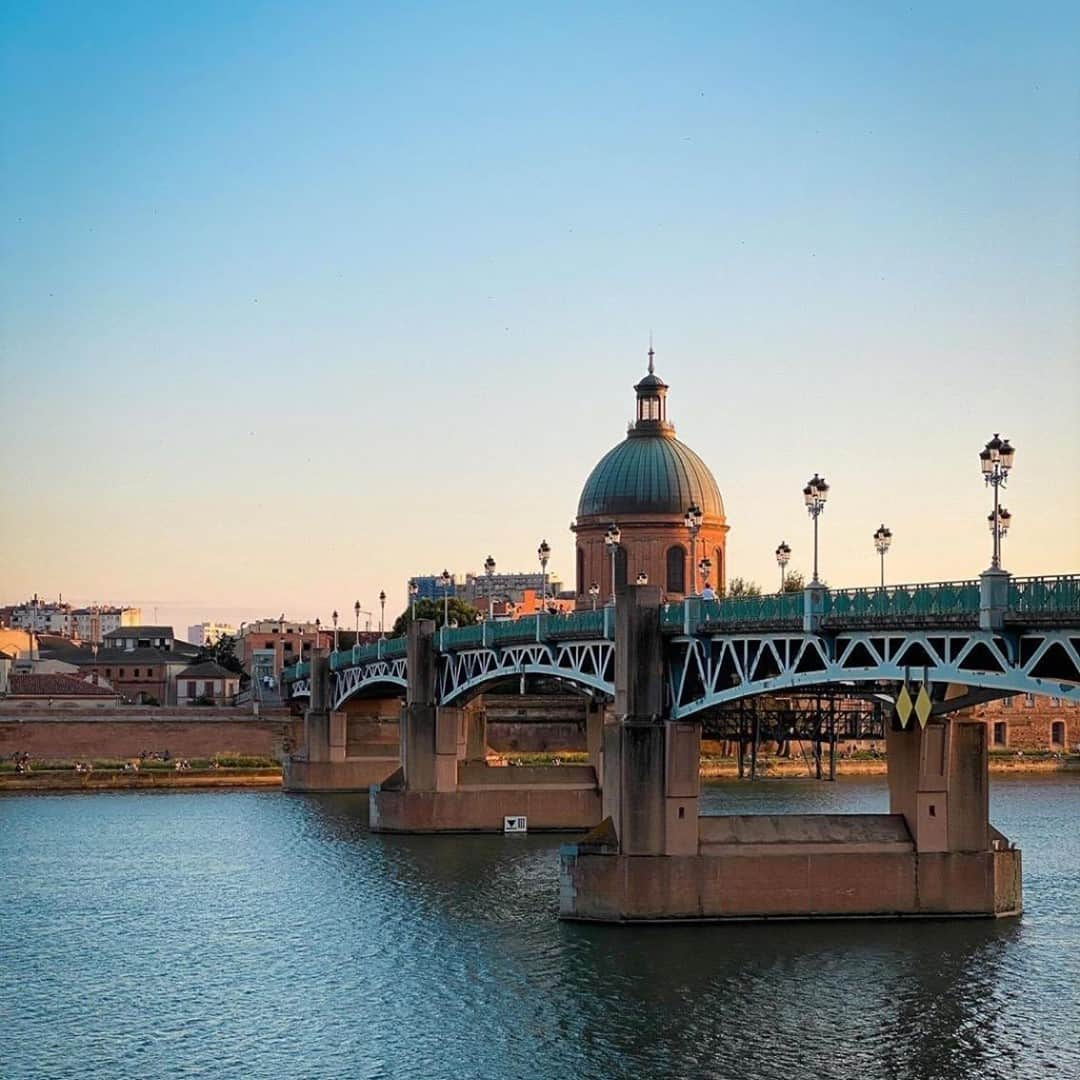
(109, 774)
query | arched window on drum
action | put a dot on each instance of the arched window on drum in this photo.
(717, 572)
(620, 566)
(580, 571)
(676, 569)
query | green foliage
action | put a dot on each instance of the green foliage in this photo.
(464, 614)
(742, 587)
(222, 652)
(202, 699)
(794, 581)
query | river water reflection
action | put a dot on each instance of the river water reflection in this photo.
(255, 935)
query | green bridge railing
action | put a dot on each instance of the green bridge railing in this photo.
(1036, 598)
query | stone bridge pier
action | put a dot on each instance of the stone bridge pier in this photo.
(445, 784)
(654, 858)
(338, 753)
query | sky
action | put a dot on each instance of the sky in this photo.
(297, 300)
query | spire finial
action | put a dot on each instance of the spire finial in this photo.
(652, 366)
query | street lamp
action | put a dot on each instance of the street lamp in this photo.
(1004, 520)
(594, 592)
(642, 578)
(783, 557)
(356, 608)
(704, 566)
(445, 579)
(334, 618)
(692, 521)
(543, 553)
(612, 538)
(882, 540)
(996, 459)
(318, 633)
(489, 569)
(382, 612)
(814, 495)
(414, 591)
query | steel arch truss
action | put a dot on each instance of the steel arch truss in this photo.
(703, 672)
(588, 664)
(392, 674)
(301, 688)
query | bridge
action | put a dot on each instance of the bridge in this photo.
(653, 674)
(993, 638)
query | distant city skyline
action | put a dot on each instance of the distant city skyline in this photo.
(294, 304)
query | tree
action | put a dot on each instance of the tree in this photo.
(741, 587)
(460, 612)
(223, 653)
(794, 581)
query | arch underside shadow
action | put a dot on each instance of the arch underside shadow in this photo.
(705, 672)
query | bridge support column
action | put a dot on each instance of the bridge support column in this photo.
(321, 763)
(445, 784)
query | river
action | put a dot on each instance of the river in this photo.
(256, 935)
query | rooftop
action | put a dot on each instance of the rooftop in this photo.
(55, 686)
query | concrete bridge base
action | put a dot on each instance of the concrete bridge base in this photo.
(445, 785)
(653, 858)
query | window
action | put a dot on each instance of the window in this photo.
(717, 571)
(135, 673)
(108, 673)
(1029, 701)
(676, 569)
(288, 646)
(268, 645)
(191, 688)
(1055, 702)
(581, 571)
(1001, 733)
(208, 688)
(1057, 733)
(1006, 703)
(120, 673)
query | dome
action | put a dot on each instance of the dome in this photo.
(649, 473)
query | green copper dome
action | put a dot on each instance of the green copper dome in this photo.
(651, 472)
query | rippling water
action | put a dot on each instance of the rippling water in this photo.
(258, 935)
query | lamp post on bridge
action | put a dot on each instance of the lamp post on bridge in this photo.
(318, 633)
(445, 579)
(692, 521)
(704, 566)
(543, 553)
(1001, 522)
(357, 609)
(594, 592)
(996, 460)
(815, 495)
(414, 590)
(489, 569)
(334, 619)
(882, 540)
(382, 613)
(783, 557)
(611, 539)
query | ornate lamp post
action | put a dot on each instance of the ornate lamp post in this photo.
(1002, 523)
(783, 557)
(693, 521)
(704, 566)
(543, 553)
(594, 592)
(382, 613)
(642, 578)
(318, 632)
(882, 540)
(611, 539)
(996, 460)
(356, 608)
(445, 579)
(414, 590)
(815, 494)
(334, 618)
(489, 569)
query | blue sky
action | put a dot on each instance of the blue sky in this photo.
(296, 300)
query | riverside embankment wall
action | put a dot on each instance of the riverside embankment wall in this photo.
(126, 732)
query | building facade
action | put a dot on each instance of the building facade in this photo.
(645, 486)
(206, 684)
(84, 624)
(209, 633)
